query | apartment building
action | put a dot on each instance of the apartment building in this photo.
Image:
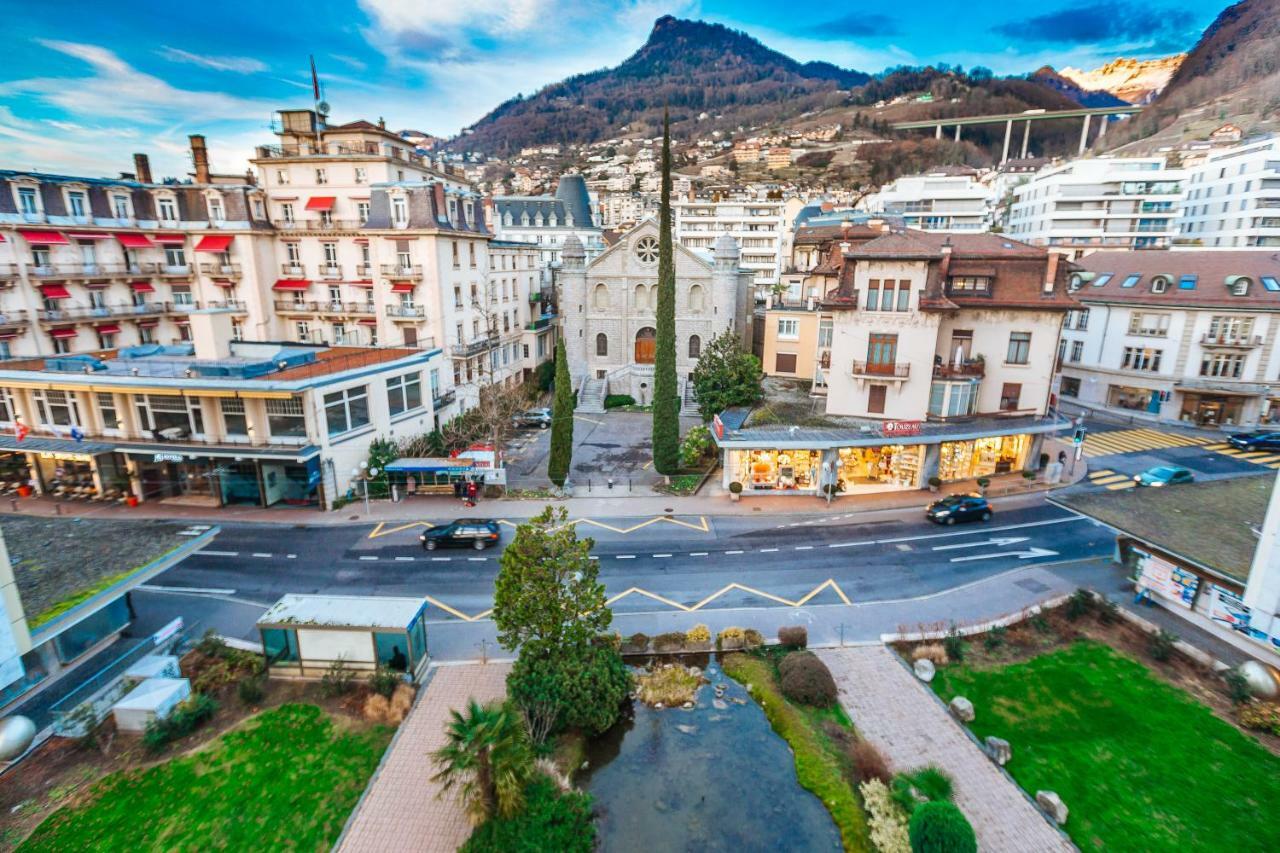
(212, 422)
(950, 199)
(937, 359)
(1185, 335)
(1100, 203)
(548, 221)
(1232, 198)
(757, 225)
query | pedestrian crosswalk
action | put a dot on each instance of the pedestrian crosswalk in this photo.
(1257, 457)
(1110, 480)
(1136, 441)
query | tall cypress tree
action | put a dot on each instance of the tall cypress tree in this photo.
(666, 403)
(561, 456)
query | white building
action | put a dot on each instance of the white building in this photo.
(758, 226)
(1232, 198)
(939, 201)
(1176, 336)
(1103, 202)
(548, 221)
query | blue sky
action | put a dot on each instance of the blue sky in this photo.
(84, 84)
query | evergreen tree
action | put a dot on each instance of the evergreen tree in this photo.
(561, 456)
(666, 405)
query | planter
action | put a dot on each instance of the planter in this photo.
(735, 496)
(131, 500)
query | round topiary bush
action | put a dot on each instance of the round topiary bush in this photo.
(806, 680)
(940, 827)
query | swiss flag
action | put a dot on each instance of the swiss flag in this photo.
(20, 430)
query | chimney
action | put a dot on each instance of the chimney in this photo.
(199, 158)
(1052, 273)
(879, 225)
(382, 123)
(142, 167)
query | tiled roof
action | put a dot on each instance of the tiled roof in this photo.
(1213, 271)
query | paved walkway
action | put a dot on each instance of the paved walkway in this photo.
(896, 712)
(400, 810)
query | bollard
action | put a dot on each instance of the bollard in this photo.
(610, 483)
(57, 509)
(14, 503)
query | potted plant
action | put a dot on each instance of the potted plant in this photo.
(1028, 474)
(983, 482)
(735, 490)
(935, 482)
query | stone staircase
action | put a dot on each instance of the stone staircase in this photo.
(591, 396)
(689, 401)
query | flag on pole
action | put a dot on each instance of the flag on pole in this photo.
(315, 81)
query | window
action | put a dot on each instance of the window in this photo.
(1019, 348)
(303, 331)
(457, 259)
(695, 346)
(1187, 282)
(330, 254)
(169, 416)
(57, 408)
(695, 298)
(1141, 358)
(362, 211)
(1224, 329)
(875, 399)
(1271, 283)
(168, 209)
(1222, 365)
(76, 203)
(1159, 284)
(1077, 350)
(1010, 392)
(1149, 325)
(346, 410)
(1130, 281)
(1082, 319)
(282, 177)
(404, 393)
(215, 210)
(107, 408)
(1102, 279)
(362, 175)
(399, 211)
(826, 332)
(234, 421)
(27, 201)
(1240, 287)
(322, 177)
(602, 344)
(471, 249)
(1070, 386)
(873, 294)
(182, 296)
(286, 212)
(293, 253)
(120, 206)
(175, 257)
(788, 329)
(285, 418)
(785, 362)
(970, 284)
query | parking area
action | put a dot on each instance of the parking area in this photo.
(615, 445)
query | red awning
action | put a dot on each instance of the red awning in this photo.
(224, 282)
(365, 321)
(182, 321)
(88, 235)
(402, 287)
(54, 291)
(171, 238)
(44, 238)
(149, 323)
(364, 282)
(141, 287)
(135, 241)
(321, 202)
(214, 243)
(291, 284)
(63, 332)
(108, 329)
(6, 334)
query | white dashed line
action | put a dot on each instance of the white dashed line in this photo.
(804, 548)
(369, 559)
(625, 557)
(662, 555)
(263, 556)
(219, 553)
(698, 554)
(733, 552)
(441, 559)
(291, 556)
(768, 550)
(185, 590)
(476, 559)
(404, 559)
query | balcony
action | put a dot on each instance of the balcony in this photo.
(1231, 341)
(439, 401)
(540, 323)
(293, 306)
(14, 319)
(185, 306)
(891, 371)
(968, 370)
(406, 312)
(292, 270)
(102, 312)
(367, 308)
(237, 305)
(475, 347)
(221, 270)
(329, 271)
(535, 296)
(364, 271)
(319, 225)
(404, 271)
(174, 270)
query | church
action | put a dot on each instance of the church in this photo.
(608, 312)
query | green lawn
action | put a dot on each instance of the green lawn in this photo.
(286, 780)
(1140, 765)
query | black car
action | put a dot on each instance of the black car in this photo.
(540, 418)
(1255, 441)
(478, 533)
(955, 508)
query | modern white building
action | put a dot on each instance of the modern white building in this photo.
(1232, 198)
(1098, 203)
(940, 201)
(757, 225)
(1183, 336)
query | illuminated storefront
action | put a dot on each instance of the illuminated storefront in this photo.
(982, 457)
(769, 470)
(856, 469)
(889, 465)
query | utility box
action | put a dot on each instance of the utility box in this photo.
(153, 699)
(152, 666)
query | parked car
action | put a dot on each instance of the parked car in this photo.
(1255, 441)
(1163, 475)
(540, 418)
(478, 533)
(955, 508)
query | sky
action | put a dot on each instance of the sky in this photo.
(85, 84)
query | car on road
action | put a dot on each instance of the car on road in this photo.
(540, 418)
(1163, 475)
(955, 508)
(1255, 441)
(478, 533)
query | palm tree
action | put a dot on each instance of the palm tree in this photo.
(487, 758)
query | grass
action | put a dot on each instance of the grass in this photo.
(820, 763)
(1140, 765)
(287, 779)
(78, 598)
(669, 685)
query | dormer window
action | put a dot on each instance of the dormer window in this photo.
(469, 210)
(120, 206)
(538, 220)
(77, 205)
(506, 219)
(1239, 285)
(167, 209)
(970, 284)
(568, 220)
(453, 211)
(216, 213)
(1159, 284)
(552, 221)
(524, 218)
(28, 202)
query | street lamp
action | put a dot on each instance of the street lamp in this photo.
(364, 473)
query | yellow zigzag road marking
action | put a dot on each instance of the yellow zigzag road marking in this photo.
(829, 583)
(381, 531)
(701, 526)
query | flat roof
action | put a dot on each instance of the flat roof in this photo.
(1207, 524)
(343, 611)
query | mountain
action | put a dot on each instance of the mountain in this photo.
(692, 67)
(1051, 79)
(1132, 81)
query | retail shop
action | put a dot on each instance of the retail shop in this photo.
(875, 468)
(982, 457)
(1215, 407)
(179, 477)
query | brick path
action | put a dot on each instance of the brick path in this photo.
(895, 712)
(400, 811)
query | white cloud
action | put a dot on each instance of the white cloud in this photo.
(490, 16)
(350, 61)
(235, 64)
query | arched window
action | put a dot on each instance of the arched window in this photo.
(601, 297)
(646, 345)
(653, 297)
(695, 346)
(642, 298)
(602, 344)
(695, 298)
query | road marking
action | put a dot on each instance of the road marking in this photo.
(804, 548)
(291, 556)
(1028, 554)
(441, 559)
(1127, 484)
(768, 550)
(698, 554)
(404, 559)
(185, 590)
(733, 552)
(850, 544)
(1109, 479)
(382, 530)
(219, 553)
(263, 556)
(999, 542)
(369, 559)
(625, 557)
(701, 526)
(662, 555)
(476, 559)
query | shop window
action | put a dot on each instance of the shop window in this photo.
(404, 392)
(778, 469)
(785, 362)
(347, 409)
(602, 344)
(1070, 386)
(1010, 393)
(285, 418)
(280, 645)
(875, 399)
(1019, 348)
(959, 460)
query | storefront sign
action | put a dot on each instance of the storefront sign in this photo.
(167, 457)
(68, 457)
(896, 428)
(1165, 579)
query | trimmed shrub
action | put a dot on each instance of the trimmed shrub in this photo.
(928, 784)
(672, 641)
(1161, 646)
(637, 642)
(614, 401)
(1237, 686)
(888, 823)
(550, 820)
(735, 487)
(868, 763)
(995, 638)
(337, 680)
(806, 679)
(752, 638)
(383, 681)
(940, 827)
(569, 687)
(696, 445)
(1079, 604)
(794, 636)
(182, 721)
(698, 635)
(953, 644)
(250, 690)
